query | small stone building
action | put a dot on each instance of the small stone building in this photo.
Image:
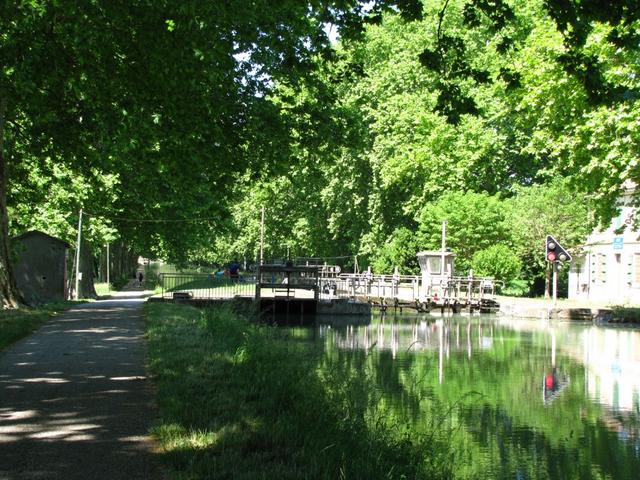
(609, 269)
(40, 266)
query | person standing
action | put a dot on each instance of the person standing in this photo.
(234, 271)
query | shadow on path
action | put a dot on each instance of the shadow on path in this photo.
(75, 402)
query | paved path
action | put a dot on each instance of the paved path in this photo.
(74, 399)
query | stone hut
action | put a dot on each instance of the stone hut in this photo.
(40, 266)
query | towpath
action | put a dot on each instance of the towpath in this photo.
(75, 401)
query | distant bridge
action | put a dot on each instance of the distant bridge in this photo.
(306, 284)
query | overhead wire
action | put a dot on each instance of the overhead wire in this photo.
(152, 220)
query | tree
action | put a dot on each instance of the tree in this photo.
(399, 251)
(498, 261)
(475, 222)
(153, 93)
(540, 210)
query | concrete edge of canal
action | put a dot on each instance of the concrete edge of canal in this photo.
(528, 308)
(509, 306)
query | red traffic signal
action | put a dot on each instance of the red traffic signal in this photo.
(556, 252)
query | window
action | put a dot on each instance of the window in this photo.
(434, 265)
(636, 269)
(599, 268)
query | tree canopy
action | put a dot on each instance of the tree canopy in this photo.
(173, 123)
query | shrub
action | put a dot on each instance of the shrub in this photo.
(497, 261)
(398, 251)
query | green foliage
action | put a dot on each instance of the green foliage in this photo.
(155, 123)
(399, 251)
(103, 289)
(17, 324)
(626, 314)
(498, 261)
(350, 147)
(516, 288)
(540, 210)
(475, 222)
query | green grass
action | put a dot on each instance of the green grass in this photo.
(103, 289)
(248, 402)
(622, 314)
(18, 323)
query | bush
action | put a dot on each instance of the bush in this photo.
(475, 221)
(497, 261)
(516, 288)
(398, 251)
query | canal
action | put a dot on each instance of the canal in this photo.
(517, 398)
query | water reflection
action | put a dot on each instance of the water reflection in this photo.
(551, 400)
(612, 358)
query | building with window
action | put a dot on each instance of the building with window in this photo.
(608, 270)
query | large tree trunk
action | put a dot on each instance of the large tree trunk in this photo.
(11, 297)
(86, 286)
(123, 261)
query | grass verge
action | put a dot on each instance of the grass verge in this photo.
(623, 314)
(248, 402)
(18, 323)
(103, 289)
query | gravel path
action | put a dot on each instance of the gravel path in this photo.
(75, 402)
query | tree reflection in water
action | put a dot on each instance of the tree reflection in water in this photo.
(526, 399)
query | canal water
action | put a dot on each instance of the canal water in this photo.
(517, 398)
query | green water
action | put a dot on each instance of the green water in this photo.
(517, 398)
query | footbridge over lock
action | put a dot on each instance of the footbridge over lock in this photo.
(288, 288)
(435, 288)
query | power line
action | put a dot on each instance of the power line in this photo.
(152, 220)
(338, 257)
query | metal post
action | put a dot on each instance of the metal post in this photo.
(555, 283)
(77, 291)
(444, 244)
(262, 238)
(108, 283)
(440, 352)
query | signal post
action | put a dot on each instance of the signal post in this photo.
(555, 253)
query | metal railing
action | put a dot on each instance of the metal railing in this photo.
(287, 281)
(403, 288)
(408, 288)
(206, 286)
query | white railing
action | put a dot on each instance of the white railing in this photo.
(408, 288)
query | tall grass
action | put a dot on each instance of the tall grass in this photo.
(244, 401)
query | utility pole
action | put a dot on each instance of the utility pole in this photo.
(262, 238)
(108, 284)
(444, 245)
(77, 291)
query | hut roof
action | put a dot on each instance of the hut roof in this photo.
(435, 253)
(32, 233)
